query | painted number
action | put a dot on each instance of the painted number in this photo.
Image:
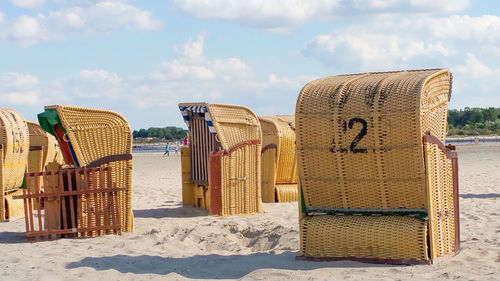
(358, 137)
(353, 147)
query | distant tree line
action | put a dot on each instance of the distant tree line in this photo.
(474, 121)
(167, 133)
(467, 121)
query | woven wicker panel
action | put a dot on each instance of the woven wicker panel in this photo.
(188, 191)
(390, 237)
(15, 207)
(278, 137)
(241, 181)
(14, 137)
(287, 192)
(268, 176)
(96, 133)
(441, 208)
(359, 137)
(38, 137)
(280, 130)
(287, 161)
(234, 124)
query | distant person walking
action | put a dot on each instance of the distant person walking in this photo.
(167, 152)
(176, 149)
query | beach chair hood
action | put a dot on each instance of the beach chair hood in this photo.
(231, 124)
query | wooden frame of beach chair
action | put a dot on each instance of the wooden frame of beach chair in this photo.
(80, 202)
(91, 137)
(376, 183)
(279, 163)
(221, 168)
(14, 146)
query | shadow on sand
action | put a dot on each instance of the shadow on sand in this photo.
(171, 212)
(209, 266)
(480, 195)
(12, 237)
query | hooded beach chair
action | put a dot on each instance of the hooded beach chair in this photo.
(279, 164)
(95, 138)
(14, 148)
(221, 168)
(376, 182)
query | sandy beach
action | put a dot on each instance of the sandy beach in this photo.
(172, 242)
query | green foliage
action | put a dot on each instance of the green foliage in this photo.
(474, 121)
(167, 133)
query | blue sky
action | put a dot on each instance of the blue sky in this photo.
(141, 58)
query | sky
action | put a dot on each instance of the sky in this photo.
(142, 57)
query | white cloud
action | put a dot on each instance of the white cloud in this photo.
(190, 50)
(96, 84)
(189, 76)
(18, 89)
(395, 42)
(80, 19)
(277, 16)
(476, 83)
(28, 4)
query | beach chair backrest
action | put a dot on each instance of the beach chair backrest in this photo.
(360, 137)
(14, 139)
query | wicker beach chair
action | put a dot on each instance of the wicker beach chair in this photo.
(279, 164)
(376, 182)
(221, 167)
(95, 138)
(14, 147)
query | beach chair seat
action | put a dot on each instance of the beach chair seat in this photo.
(14, 147)
(221, 167)
(91, 138)
(279, 165)
(376, 182)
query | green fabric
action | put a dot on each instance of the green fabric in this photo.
(24, 185)
(48, 119)
(302, 202)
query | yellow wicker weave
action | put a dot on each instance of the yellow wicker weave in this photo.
(14, 141)
(96, 133)
(237, 132)
(360, 149)
(188, 191)
(286, 192)
(14, 207)
(440, 201)
(279, 165)
(386, 237)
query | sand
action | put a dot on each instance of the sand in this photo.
(172, 242)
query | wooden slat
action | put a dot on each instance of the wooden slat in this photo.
(38, 207)
(96, 201)
(104, 203)
(63, 202)
(71, 203)
(79, 205)
(87, 197)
